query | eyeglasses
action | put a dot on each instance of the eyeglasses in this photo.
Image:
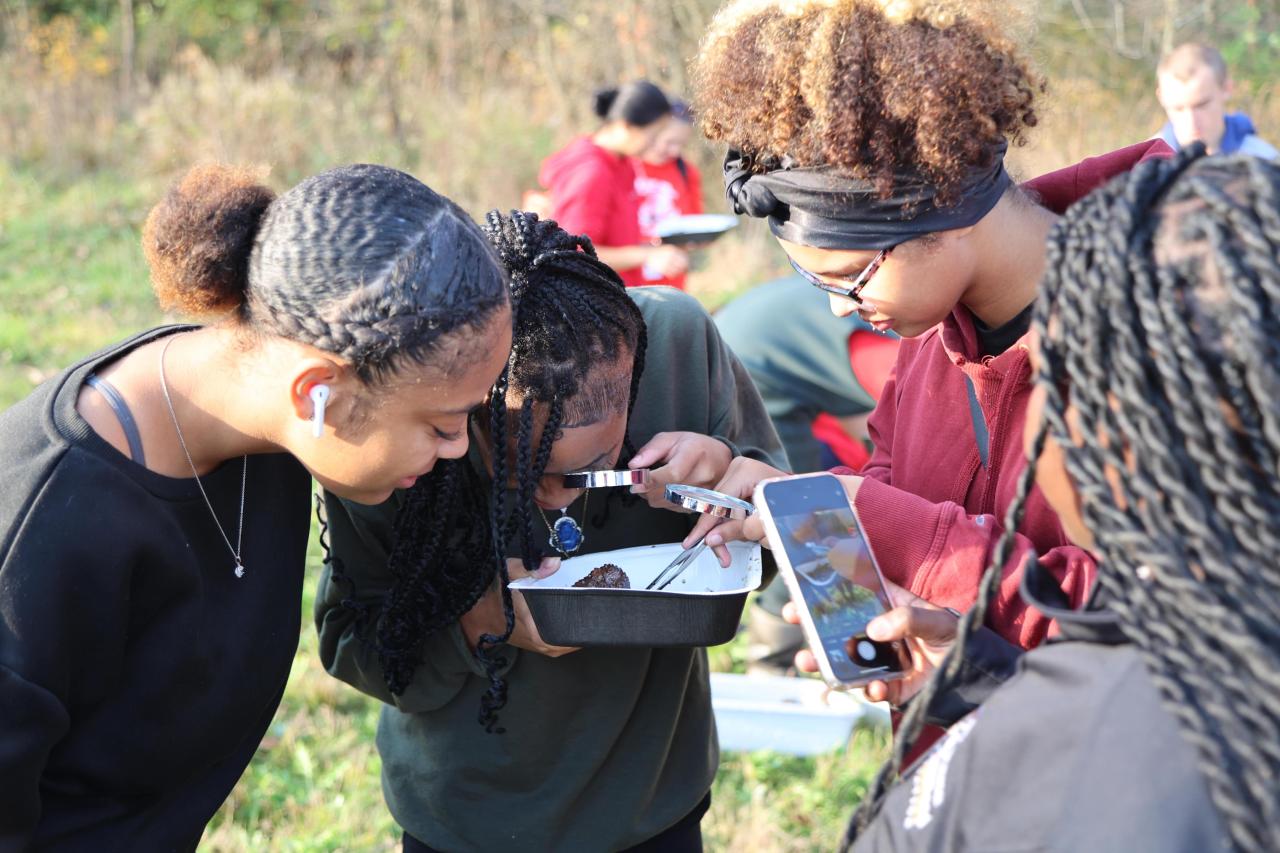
(856, 283)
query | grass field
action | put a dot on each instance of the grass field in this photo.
(72, 279)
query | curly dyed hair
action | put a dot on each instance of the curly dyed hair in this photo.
(874, 87)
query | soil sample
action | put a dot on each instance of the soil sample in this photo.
(607, 576)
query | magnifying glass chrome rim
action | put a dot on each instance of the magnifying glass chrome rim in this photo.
(606, 479)
(709, 502)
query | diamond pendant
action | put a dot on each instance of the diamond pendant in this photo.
(566, 535)
(239, 569)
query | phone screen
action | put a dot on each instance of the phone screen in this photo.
(834, 569)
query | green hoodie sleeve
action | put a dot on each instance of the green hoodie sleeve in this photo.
(352, 585)
(693, 381)
(738, 415)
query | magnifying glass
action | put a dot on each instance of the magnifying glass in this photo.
(709, 502)
(606, 479)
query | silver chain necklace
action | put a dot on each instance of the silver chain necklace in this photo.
(244, 473)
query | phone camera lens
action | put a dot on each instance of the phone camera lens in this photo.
(866, 651)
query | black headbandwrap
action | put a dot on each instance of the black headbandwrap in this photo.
(817, 206)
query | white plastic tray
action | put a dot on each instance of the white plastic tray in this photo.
(798, 716)
(701, 607)
(704, 576)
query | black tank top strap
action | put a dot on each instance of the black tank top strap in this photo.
(123, 415)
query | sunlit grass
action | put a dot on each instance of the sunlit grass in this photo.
(72, 277)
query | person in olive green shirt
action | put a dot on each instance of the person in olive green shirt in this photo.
(599, 748)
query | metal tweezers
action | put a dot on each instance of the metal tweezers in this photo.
(678, 565)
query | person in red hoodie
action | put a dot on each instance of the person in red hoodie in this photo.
(591, 182)
(668, 185)
(871, 137)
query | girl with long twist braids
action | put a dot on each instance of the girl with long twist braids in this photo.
(550, 270)
(594, 748)
(1154, 433)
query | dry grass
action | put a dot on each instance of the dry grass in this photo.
(476, 133)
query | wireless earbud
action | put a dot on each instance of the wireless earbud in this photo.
(319, 397)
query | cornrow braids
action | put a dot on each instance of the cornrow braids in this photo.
(439, 572)
(571, 314)
(368, 263)
(364, 262)
(1157, 323)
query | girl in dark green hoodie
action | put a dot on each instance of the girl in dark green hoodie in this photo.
(595, 748)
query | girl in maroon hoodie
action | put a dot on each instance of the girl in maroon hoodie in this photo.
(592, 182)
(871, 135)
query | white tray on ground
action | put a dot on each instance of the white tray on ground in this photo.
(798, 716)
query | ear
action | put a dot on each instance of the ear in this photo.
(1228, 89)
(310, 372)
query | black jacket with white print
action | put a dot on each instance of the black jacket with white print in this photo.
(1074, 752)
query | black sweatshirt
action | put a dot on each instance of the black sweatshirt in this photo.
(1075, 751)
(137, 673)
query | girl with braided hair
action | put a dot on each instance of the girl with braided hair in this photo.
(1155, 429)
(155, 516)
(871, 135)
(588, 749)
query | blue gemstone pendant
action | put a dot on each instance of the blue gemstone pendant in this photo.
(566, 535)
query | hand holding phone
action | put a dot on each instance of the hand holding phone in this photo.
(926, 630)
(829, 569)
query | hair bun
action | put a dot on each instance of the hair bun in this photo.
(604, 99)
(197, 240)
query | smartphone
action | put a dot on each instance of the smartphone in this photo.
(832, 576)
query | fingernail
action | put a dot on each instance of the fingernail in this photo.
(714, 539)
(637, 489)
(876, 629)
(548, 566)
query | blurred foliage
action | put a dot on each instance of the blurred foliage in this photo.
(471, 94)
(1118, 42)
(1094, 37)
